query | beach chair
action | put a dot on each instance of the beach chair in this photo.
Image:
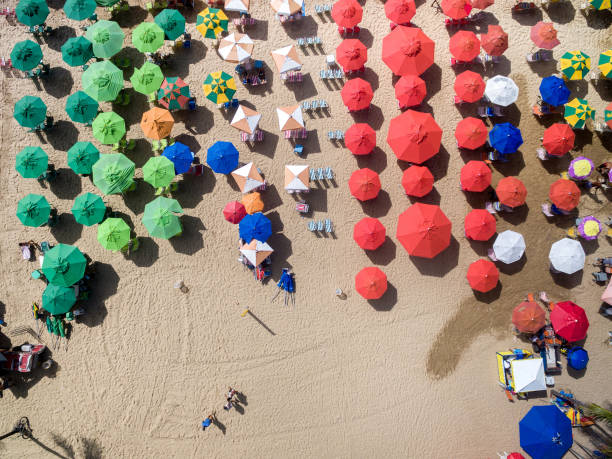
(331, 135)
(339, 135)
(601, 127)
(5, 63)
(301, 207)
(320, 175)
(338, 74)
(546, 210)
(541, 55)
(490, 207)
(329, 74)
(320, 225)
(600, 277)
(542, 154)
(312, 225)
(485, 111)
(328, 226)
(323, 104)
(328, 173)
(524, 7)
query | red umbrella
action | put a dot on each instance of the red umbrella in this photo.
(414, 136)
(569, 321)
(544, 35)
(464, 45)
(564, 194)
(357, 94)
(364, 184)
(347, 13)
(234, 212)
(511, 192)
(369, 233)
(481, 4)
(558, 139)
(515, 455)
(351, 54)
(408, 51)
(469, 86)
(483, 275)
(528, 317)
(475, 176)
(479, 225)
(371, 283)
(456, 9)
(410, 90)
(400, 11)
(495, 41)
(417, 181)
(471, 133)
(360, 139)
(424, 230)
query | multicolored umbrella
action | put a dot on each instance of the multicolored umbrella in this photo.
(464, 45)
(407, 50)
(81, 108)
(148, 37)
(605, 63)
(180, 155)
(256, 252)
(351, 54)
(256, 226)
(30, 111)
(417, 181)
(290, 118)
(106, 38)
(357, 94)
(79, 9)
(219, 87)
(173, 93)
(286, 7)
(577, 111)
(495, 41)
(580, 168)
(347, 13)
(414, 136)
(236, 47)
(286, 59)
(544, 35)
(113, 173)
(160, 217)
(31, 162)
(456, 9)
(545, 432)
(529, 317)
(575, 65)
(424, 230)
(114, 234)
(157, 123)
(246, 119)
(501, 90)
(400, 11)
(509, 246)
(172, 23)
(471, 133)
(569, 321)
(158, 171)
(222, 157)
(410, 90)
(108, 128)
(364, 184)
(148, 78)
(211, 22)
(479, 225)
(369, 233)
(234, 211)
(511, 192)
(82, 156)
(360, 139)
(102, 80)
(33, 210)
(601, 5)
(77, 51)
(88, 209)
(564, 194)
(475, 176)
(57, 299)
(567, 256)
(483, 275)
(253, 203)
(608, 115)
(589, 228)
(371, 283)
(32, 12)
(26, 55)
(469, 86)
(505, 138)
(558, 139)
(554, 91)
(248, 177)
(64, 265)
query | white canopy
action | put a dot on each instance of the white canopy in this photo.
(509, 247)
(528, 375)
(290, 118)
(242, 6)
(567, 256)
(286, 59)
(501, 90)
(297, 178)
(246, 119)
(256, 251)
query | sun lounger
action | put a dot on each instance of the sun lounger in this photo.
(312, 225)
(600, 277)
(302, 207)
(7, 12)
(328, 226)
(339, 135)
(320, 225)
(313, 175)
(487, 59)
(329, 173)
(338, 74)
(320, 175)
(601, 127)
(490, 207)
(541, 55)
(488, 111)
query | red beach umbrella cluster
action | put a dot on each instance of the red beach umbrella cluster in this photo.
(511, 192)
(528, 317)
(544, 35)
(558, 139)
(495, 41)
(469, 86)
(471, 133)
(569, 321)
(464, 46)
(456, 9)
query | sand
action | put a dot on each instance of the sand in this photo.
(411, 375)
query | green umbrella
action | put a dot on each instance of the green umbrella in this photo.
(106, 37)
(32, 162)
(81, 108)
(148, 37)
(172, 23)
(32, 12)
(107, 3)
(77, 51)
(102, 81)
(147, 79)
(79, 9)
(88, 209)
(64, 265)
(58, 300)
(26, 55)
(159, 218)
(30, 111)
(108, 128)
(158, 171)
(33, 210)
(82, 156)
(113, 173)
(113, 234)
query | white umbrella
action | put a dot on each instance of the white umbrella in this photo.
(248, 178)
(607, 294)
(256, 251)
(286, 59)
(286, 7)
(528, 375)
(236, 47)
(242, 6)
(297, 178)
(509, 247)
(567, 256)
(501, 90)
(246, 119)
(290, 118)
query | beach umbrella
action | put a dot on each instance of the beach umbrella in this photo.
(544, 35)
(82, 156)
(364, 184)
(290, 118)
(31, 162)
(371, 283)
(605, 63)
(511, 192)
(30, 111)
(558, 139)
(107, 3)
(33, 210)
(528, 375)
(424, 230)
(509, 246)
(148, 78)
(113, 234)
(158, 171)
(601, 5)
(483, 275)
(234, 211)
(297, 178)
(287, 7)
(79, 9)
(236, 47)
(475, 176)
(256, 226)
(252, 203)
(575, 65)
(256, 252)
(157, 123)
(160, 217)
(88, 209)
(102, 81)
(286, 59)
(369, 233)
(240, 6)
(246, 119)
(495, 41)
(113, 173)
(64, 265)
(580, 168)
(219, 87)
(173, 93)
(577, 358)
(501, 90)
(351, 54)
(211, 22)
(108, 128)
(464, 45)
(106, 38)
(607, 294)
(528, 317)
(26, 55)
(347, 13)
(222, 157)
(57, 299)
(410, 90)
(545, 432)
(589, 228)
(400, 11)
(564, 194)
(569, 321)
(481, 5)
(567, 256)
(469, 86)
(505, 138)
(180, 155)
(456, 9)
(417, 181)
(554, 91)
(577, 111)
(360, 139)
(171, 22)
(471, 133)
(414, 136)
(408, 51)
(77, 51)
(248, 178)
(357, 94)
(81, 108)
(32, 12)
(148, 37)
(479, 225)
(608, 115)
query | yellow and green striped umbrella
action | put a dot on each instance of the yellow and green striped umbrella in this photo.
(219, 87)
(601, 4)
(577, 111)
(575, 65)
(211, 22)
(605, 63)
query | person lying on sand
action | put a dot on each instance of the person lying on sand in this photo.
(209, 420)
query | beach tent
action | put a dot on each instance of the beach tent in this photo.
(357, 94)
(564, 194)
(569, 321)
(501, 90)
(157, 123)
(240, 6)
(417, 181)
(495, 41)
(479, 225)
(369, 233)
(483, 275)
(351, 54)
(408, 51)
(236, 47)
(511, 192)
(297, 178)
(528, 375)
(410, 90)
(256, 251)
(252, 202)
(364, 184)
(247, 178)
(400, 11)
(246, 119)
(475, 176)
(509, 246)
(554, 91)
(286, 59)
(290, 118)
(544, 35)
(464, 46)
(528, 317)
(471, 133)
(234, 211)
(469, 86)
(360, 139)
(545, 432)
(456, 9)
(371, 283)
(414, 136)
(287, 7)
(558, 139)
(424, 230)
(222, 157)
(347, 13)
(567, 256)
(256, 226)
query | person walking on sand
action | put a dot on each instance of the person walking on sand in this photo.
(230, 395)
(209, 420)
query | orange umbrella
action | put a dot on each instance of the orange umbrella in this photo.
(475, 176)
(469, 86)
(481, 4)
(479, 225)
(424, 230)
(357, 94)
(410, 90)
(252, 203)
(456, 9)
(400, 11)
(360, 139)
(511, 192)
(347, 13)
(464, 45)
(564, 194)
(483, 275)
(417, 181)
(408, 51)
(157, 123)
(471, 133)
(371, 283)
(364, 184)
(351, 54)
(369, 233)
(495, 41)
(558, 139)
(544, 35)
(528, 317)
(414, 136)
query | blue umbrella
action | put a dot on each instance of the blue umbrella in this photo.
(554, 91)
(180, 155)
(222, 157)
(505, 138)
(545, 432)
(577, 358)
(255, 226)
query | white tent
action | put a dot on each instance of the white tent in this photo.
(501, 90)
(509, 247)
(528, 375)
(567, 256)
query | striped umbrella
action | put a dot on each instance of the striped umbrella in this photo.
(575, 65)
(236, 47)
(219, 87)
(601, 4)
(608, 115)
(589, 228)
(211, 22)
(577, 111)
(174, 93)
(580, 168)
(605, 63)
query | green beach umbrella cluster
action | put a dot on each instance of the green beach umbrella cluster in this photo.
(102, 81)
(88, 209)
(158, 171)
(106, 37)
(148, 37)
(79, 9)
(58, 300)
(113, 234)
(64, 265)
(147, 79)
(113, 173)
(81, 108)
(172, 23)
(33, 210)
(160, 218)
(26, 55)
(77, 51)
(31, 162)
(108, 128)
(32, 12)
(82, 156)
(30, 111)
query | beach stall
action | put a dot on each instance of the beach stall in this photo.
(248, 178)
(291, 122)
(297, 179)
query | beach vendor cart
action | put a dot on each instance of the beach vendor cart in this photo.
(24, 358)
(520, 372)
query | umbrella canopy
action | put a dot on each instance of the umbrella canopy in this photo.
(501, 90)
(256, 226)
(495, 41)
(234, 211)
(545, 432)
(509, 247)
(253, 203)
(360, 139)
(82, 156)
(464, 45)
(222, 157)
(211, 22)
(157, 123)
(248, 178)
(554, 91)
(608, 115)
(424, 230)
(558, 139)
(30, 111)
(158, 171)
(469, 86)
(369, 233)
(113, 173)
(180, 155)
(580, 168)
(364, 184)
(589, 228)
(511, 192)
(33, 210)
(246, 119)
(148, 78)
(400, 11)
(569, 321)
(351, 54)
(173, 93)
(577, 111)
(286, 7)
(410, 90)
(171, 22)
(31, 162)
(32, 12)
(414, 136)
(456, 9)
(601, 5)
(371, 283)
(544, 35)
(241, 6)
(481, 5)
(108, 128)
(505, 138)
(607, 294)
(417, 181)
(160, 217)
(79, 9)
(106, 38)
(483, 275)
(26, 55)
(113, 234)
(475, 176)
(567, 256)
(471, 133)
(528, 375)
(575, 65)
(102, 81)
(564, 194)
(347, 13)
(148, 37)
(57, 299)
(88, 209)
(605, 63)
(64, 265)
(219, 87)
(77, 51)
(357, 94)
(408, 51)
(81, 108)
(577, 358)
(479, 225)
(286, 59)
(236, 47)
(529, 317)
(290, 118)
(297, 178)
(256, 252)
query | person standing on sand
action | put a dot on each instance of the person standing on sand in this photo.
(209, 420)
(230, 395)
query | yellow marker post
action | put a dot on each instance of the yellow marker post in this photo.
(244, 313)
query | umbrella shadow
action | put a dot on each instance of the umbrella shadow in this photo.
(271, 198)
(67, 185)
(438, 164)
(481, 248)
(141, 153)
(377, 207)
(603, 87)
(190, 140)
(385, 254)
(267, 147)
(530, 18)
(433, 197)
(317, 200)
(561, 12)
(304, 90)
(373, 116)
(441, 264)
(132, 113)
(387, 301)
(490, 296)
(133, 16)
(282, 251)
(433, 77)
(305, 27)
(260, 31)
(192, 188)
(567, 281)
(543, 68)
(137, 199)
(557, 165)
(512, 167)
(311, 143)
(68, 230)
(512, 268)
(58, 83)
(191, 241)
(103, 286)
(59, 37)
(518, 216)
(376, 161)
(62, 135)
(147, 254)
(198, 123)
(599, 20)
(181, 58)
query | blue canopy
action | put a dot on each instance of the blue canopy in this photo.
(180, 155)
(545, 432)
(255, 226)
(505, 138)
(222, 157)
(577, 358)
(554, 91)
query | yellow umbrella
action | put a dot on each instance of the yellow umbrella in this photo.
(605, 63)
(211, 22)
(575, 65)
